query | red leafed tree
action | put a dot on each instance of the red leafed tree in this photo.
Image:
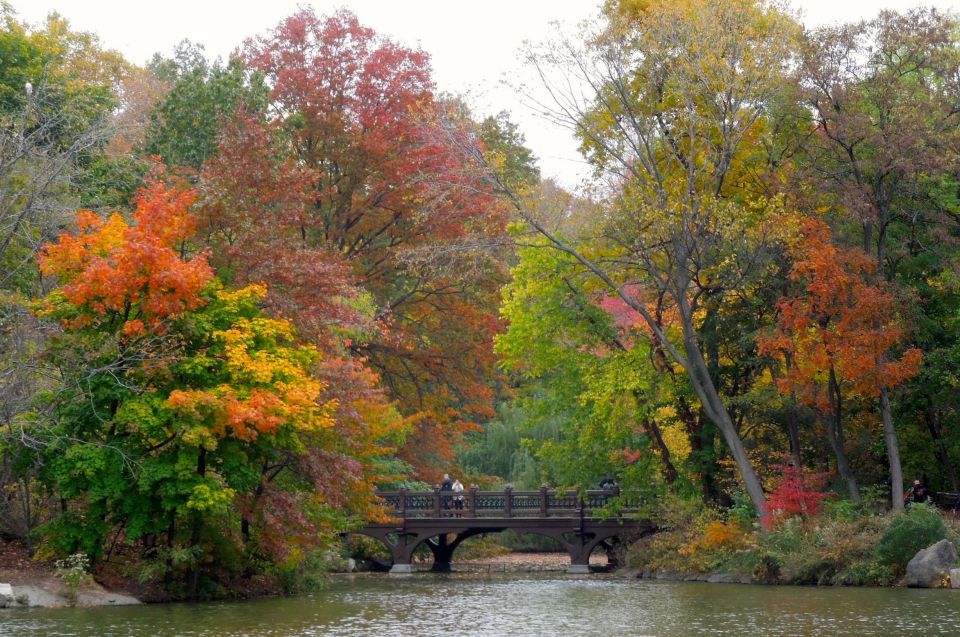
(252, 209)
(836, 337)
(795, 494)
(356, 206)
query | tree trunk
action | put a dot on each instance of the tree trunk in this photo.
(715, 409)
(793, 433)
(693, 363)
(168, 573)
(936, 433)
(837, 442)
(193, 582)
(893, 451)
(793, 416)
(652, 429)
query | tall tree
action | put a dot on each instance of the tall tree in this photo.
(885, 100)
(183, 401)
(384, 204)
(202, 98)
(56, 98)
(676, 95)
(838, 334)
(588, 368)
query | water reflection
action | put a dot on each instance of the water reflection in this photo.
(491, 606)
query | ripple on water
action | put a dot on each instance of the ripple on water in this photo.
(522, 606)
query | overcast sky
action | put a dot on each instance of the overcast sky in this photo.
(473, 45)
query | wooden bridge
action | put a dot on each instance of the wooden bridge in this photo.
(442, 520)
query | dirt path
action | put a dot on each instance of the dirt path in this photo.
(524, 562)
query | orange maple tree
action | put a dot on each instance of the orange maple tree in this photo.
(113, 271)
(838, 334)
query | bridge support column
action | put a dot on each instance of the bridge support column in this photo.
(579, 550)
(442, 553)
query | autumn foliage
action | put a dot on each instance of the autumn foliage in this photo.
(208, 403)
(795, 494)
(112, 271)
(843, 319)
(343, 280)
(356, 206)
(278, 389)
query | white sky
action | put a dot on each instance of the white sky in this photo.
(473, 44)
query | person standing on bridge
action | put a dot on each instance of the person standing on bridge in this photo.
(457, 488)
(446, 485)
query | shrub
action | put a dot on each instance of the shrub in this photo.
(717, 536)
(304, 573)
(796, 495)
(848, 542)
(74, 571)
(915, 529)
(766, 569)
(842, 509)
(742, 510)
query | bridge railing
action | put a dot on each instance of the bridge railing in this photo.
(473, 503)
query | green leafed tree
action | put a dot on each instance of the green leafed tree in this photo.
(671, 102)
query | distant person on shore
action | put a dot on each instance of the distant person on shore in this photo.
(457, 488)
(916, 493)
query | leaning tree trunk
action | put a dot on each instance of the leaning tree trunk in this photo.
(893, 451)
(693, 363)
(837, 442)
(716, 410)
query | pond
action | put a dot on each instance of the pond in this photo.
(427, 605)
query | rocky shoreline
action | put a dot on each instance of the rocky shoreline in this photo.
(50, 593)
(33, 587)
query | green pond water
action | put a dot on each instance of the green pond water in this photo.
(426, 605)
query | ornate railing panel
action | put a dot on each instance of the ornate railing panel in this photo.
(508, 503)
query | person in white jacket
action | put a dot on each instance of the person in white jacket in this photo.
(458, 497)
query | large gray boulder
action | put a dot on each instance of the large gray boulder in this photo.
(930, 567)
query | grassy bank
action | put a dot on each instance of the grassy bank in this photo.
(842, 545)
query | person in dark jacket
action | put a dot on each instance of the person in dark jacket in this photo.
(446, 485)
(916, 493)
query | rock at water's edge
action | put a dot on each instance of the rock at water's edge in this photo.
(930, 567)
(955, 578)
(6, 596)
